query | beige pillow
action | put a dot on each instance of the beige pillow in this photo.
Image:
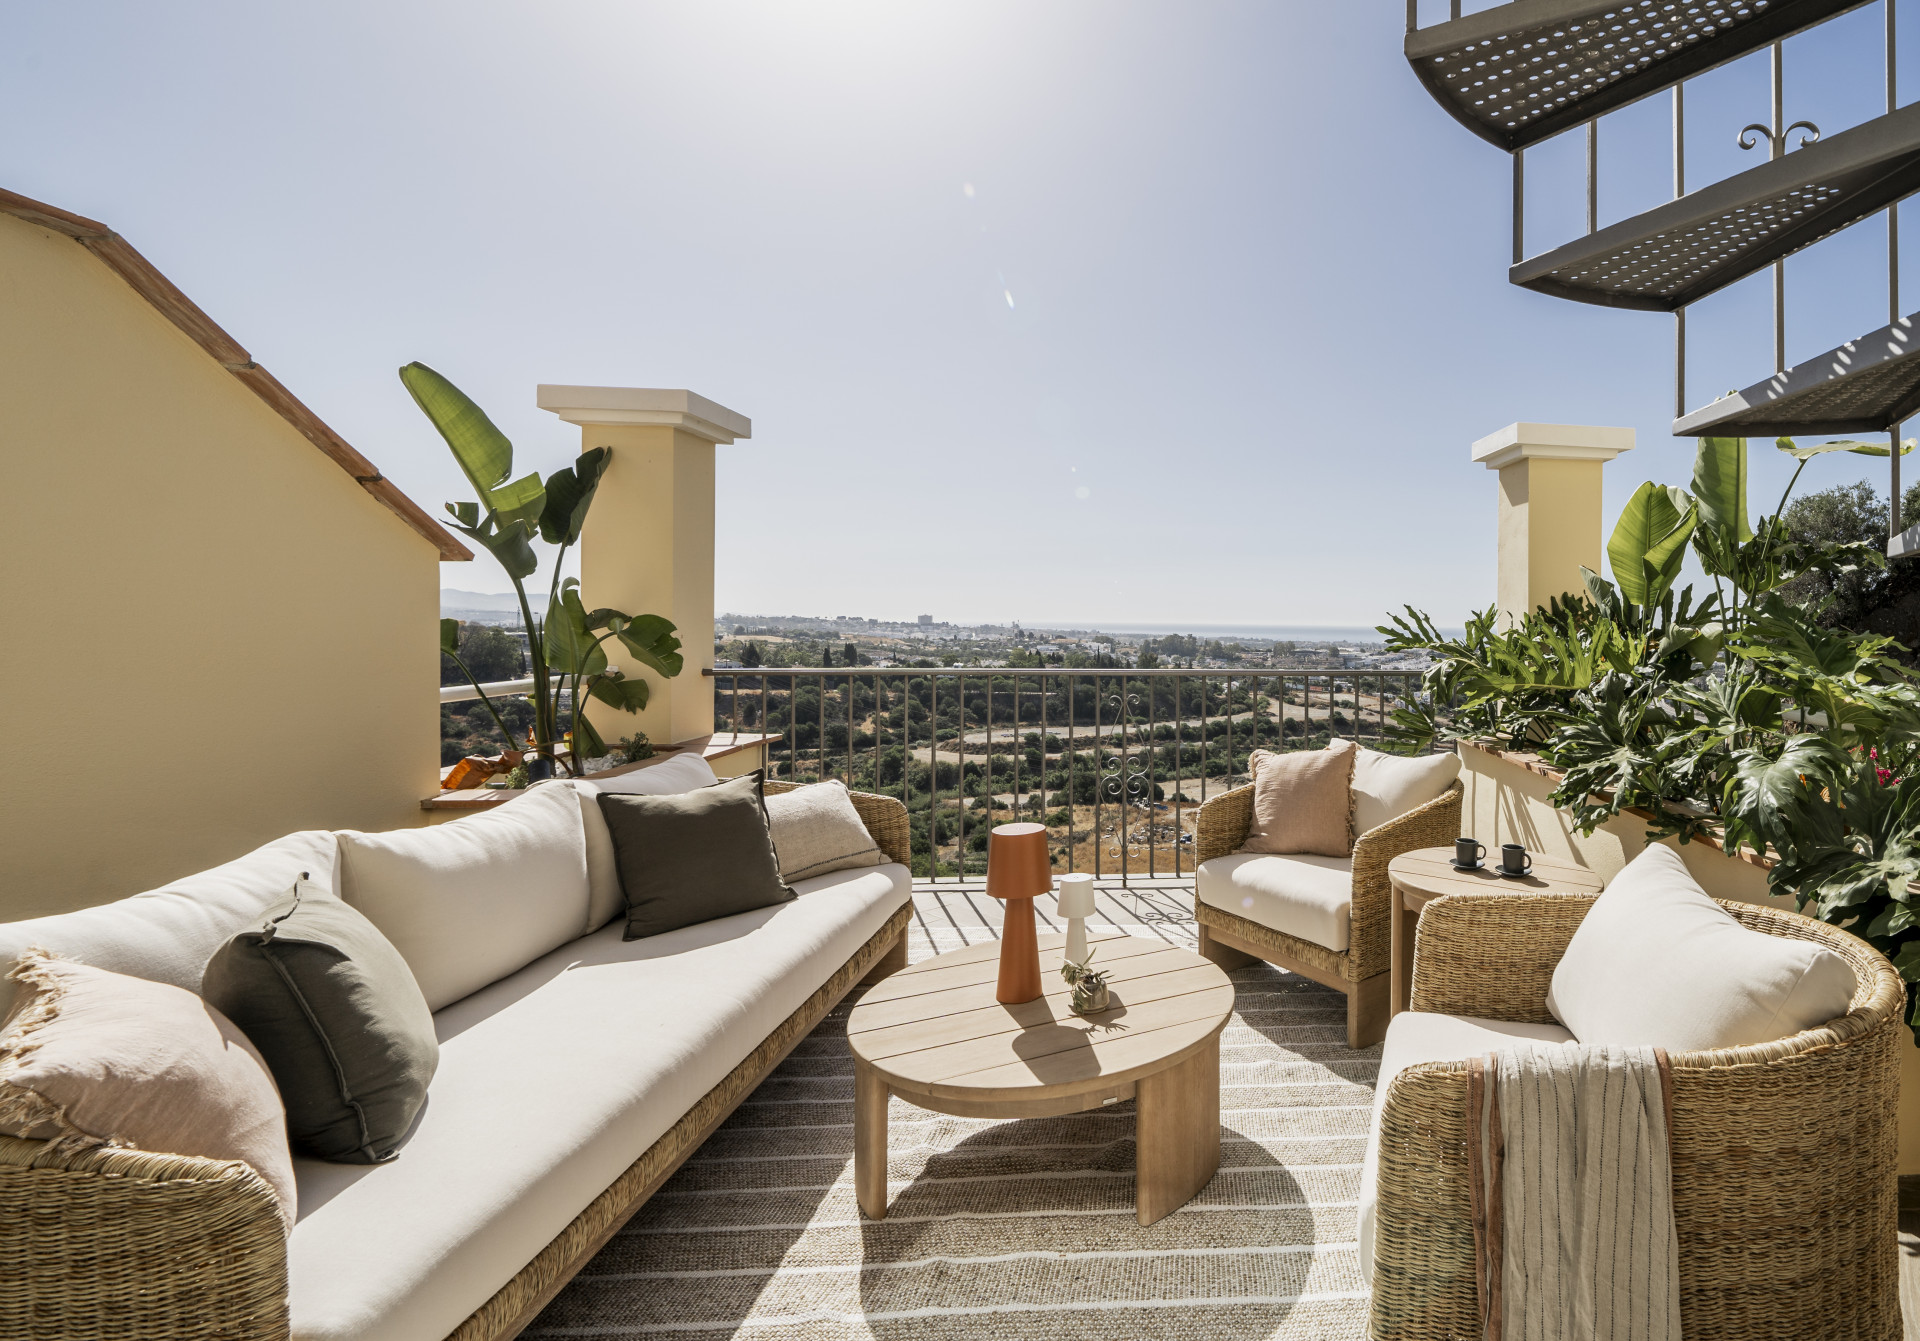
(1387, 786)
(816, 830)
(91, 1058)
(1303, 801)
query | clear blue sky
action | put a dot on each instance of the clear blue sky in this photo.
(1180, 312)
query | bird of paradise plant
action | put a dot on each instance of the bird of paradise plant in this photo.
(568, 642)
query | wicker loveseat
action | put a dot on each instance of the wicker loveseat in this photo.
(1783, 1154)
(1361, 970)
(135, 1245)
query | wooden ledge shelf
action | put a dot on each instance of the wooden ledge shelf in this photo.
(719, 745)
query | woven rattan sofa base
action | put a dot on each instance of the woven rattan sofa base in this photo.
(520, 1300)
(1784, 1155)
(1361, 970)
(123, 1245)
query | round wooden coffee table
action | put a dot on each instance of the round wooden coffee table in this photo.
(934, 1035)
(1418, 878)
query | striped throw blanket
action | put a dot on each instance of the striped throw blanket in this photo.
(1573, 1194)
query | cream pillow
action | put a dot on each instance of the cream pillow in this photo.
(91, 1058)
(1303, 801)
(670, 777)
(467, 903)
(1387, 786)
(1656, 963)
(817, 831)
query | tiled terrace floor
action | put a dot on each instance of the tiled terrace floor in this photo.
(949, 914)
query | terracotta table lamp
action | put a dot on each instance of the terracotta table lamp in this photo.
(1019, 869)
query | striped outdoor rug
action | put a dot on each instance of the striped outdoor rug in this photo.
(1004, 1229)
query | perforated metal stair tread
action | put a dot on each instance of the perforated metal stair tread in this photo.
(1864, 386)
(1688, 248)
(1518, 73)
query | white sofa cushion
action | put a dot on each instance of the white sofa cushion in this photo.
(1387, 786)
(551, 1083)
(168, 934)
(1415, 1037)
(1306, 896)
(1656, 963)
(467, 903)
(671, 776)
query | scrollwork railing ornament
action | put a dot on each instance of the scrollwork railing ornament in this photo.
(1777, 144)
(1123, 779)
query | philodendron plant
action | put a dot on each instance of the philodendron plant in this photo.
(569, 641)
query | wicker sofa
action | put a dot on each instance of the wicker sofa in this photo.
(526, 1160)
(1361, 970)
(1783, 1154)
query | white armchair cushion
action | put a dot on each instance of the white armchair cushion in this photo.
(1387, 786)
(1413, 1039)
(467, 903)
(669, 777)
(1306, 896)
(1656, 963)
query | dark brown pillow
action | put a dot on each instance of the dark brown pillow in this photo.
(693, 856)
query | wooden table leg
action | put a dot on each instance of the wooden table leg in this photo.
(1177, 1133)
(1400, 932)
(869, 1140)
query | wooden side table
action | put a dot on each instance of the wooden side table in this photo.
(1418, 878)
(934, 1035)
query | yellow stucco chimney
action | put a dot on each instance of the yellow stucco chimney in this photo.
(1549, 515)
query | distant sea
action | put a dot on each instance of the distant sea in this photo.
(1294, 633)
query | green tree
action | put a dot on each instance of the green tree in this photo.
(492, 654)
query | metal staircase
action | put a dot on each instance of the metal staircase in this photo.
(1517, 73)
(1520, 73)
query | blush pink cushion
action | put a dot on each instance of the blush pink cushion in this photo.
(89, 1057)
(1303, 801)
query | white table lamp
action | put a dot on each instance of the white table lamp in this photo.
(1076, 905)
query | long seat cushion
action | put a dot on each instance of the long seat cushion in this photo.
(168, 934)
(1301, 895)
(552, 1082)
(1414, 1038)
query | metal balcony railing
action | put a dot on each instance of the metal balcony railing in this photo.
(1116, 762)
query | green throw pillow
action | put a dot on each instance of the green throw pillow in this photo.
(336, 1012)
(693, 856)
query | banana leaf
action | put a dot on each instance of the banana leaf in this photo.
(569, 494)
(482, 450)
(1648, 544)
(1720, 486)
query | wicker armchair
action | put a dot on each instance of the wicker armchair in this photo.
(1784, 1154)
(1361, 970)
(128, 1245)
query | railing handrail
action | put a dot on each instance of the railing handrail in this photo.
(1110, 739)
(1292, 672)
(459, 693)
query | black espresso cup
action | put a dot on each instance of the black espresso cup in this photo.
(1467, 852)
(1514, 859)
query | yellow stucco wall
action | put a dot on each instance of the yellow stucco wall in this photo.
(213, 635)
(1506, 803)
(1549, 525)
